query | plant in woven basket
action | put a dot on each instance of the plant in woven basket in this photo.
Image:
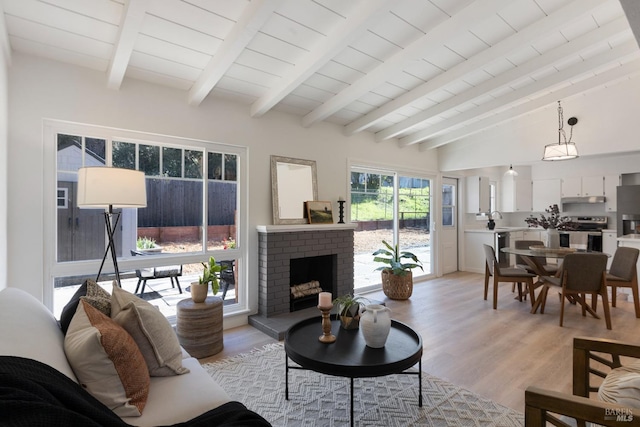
(397, 278)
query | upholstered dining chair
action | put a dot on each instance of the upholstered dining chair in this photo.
(582, 274)
(501, 274)
(623, 274)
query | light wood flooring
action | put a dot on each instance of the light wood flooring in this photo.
(495, 353)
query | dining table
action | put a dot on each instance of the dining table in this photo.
(534, 256)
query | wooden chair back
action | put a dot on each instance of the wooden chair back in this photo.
(584, 272)
(526, 244)
(624, 262)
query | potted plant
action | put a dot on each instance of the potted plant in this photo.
(397, 278)
(200, 288)
(147, 244)
(349, 310)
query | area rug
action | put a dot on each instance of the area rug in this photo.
(257, 379)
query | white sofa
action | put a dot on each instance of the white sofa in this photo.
(29, 330)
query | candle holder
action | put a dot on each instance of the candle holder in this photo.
(341, 211)
(327, 337)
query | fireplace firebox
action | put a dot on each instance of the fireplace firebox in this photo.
(320, 269)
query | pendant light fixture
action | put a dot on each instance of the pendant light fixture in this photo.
(511, 172)
(562, 150)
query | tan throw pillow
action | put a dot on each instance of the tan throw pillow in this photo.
(150, 330)
(107, 361)
(622, 386)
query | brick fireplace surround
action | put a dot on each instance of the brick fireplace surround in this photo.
(279, 244)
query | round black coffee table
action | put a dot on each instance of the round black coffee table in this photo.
(349, 356)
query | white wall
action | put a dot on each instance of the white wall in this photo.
(45, 89)
(607, 123)
(4, 183)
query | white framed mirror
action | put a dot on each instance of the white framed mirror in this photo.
(293, 182)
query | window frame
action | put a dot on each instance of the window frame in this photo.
(53, 268)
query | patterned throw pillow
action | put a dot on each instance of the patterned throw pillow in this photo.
(94, 294)
(107, 362)
(150, 330)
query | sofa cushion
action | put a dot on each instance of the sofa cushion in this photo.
(622, 386)
(28, 329)
(150, 330)
(97, 296)
(194, 393)
(107, 361)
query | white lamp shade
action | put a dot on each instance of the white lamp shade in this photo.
(101, 187)
(562, 151)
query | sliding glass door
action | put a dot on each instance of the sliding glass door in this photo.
(389, 206)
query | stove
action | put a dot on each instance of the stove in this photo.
(586, 233)
(589, 223)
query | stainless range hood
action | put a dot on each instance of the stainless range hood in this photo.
(584, 199)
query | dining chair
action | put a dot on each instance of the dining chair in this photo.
(502, 274)
(551, 269)
(582, 274)
(623, 274)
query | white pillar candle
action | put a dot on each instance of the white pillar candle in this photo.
(324, 299)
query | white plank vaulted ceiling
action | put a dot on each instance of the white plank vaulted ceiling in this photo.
(422, 72)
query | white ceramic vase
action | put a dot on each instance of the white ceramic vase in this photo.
(199, 291)
(375, 324)
(553, 238)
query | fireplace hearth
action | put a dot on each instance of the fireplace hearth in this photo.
(313, 252)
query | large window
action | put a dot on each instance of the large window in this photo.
(191, 214)
(393, 207)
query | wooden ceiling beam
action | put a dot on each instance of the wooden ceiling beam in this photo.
(130, 24)
(507, 78)
(625, 71)
(474, 12)
(354, 26)
(506, 106)
(538, 29)
(252, 20)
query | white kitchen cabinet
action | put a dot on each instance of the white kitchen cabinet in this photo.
(474, 258)
(593, 186)
(516, 194)
(545, 193)
(478, 194)
(611, 182)
(609, 244)
(583, 186)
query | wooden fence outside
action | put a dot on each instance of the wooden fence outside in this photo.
(178, 203)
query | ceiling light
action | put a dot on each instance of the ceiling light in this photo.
(562, 150)
(511, 172)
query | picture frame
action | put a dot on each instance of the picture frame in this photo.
(319, 212)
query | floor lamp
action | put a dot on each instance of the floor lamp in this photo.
(108, 188)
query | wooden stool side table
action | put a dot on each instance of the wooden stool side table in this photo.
(199, 326)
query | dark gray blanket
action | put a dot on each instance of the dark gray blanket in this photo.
(34, 394)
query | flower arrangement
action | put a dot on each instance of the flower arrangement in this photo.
(553, 220)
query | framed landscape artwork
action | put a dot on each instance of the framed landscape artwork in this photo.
(319, 212)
